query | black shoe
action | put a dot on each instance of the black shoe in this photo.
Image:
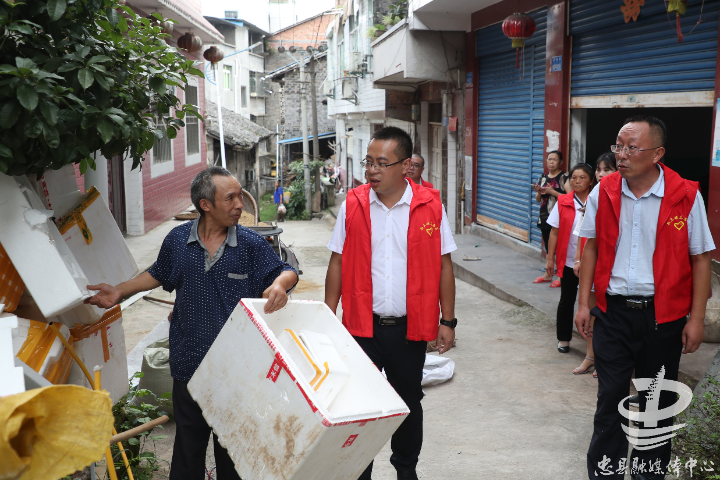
(563, 349)
(634, 401)
(407, 475)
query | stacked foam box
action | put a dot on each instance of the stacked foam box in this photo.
(38, 252)
(266, 405)
(13, 380)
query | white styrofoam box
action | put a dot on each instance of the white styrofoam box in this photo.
(93, 236)
(58, 190)
(102, 344)
(267, 415)
(319, 362)
(13, 380)
(43, 349)
(37, 250)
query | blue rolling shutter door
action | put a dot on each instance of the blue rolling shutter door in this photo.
(511, 119)
(611, 57)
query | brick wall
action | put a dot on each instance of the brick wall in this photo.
(293, 118)
(169, 194)
(311, 32)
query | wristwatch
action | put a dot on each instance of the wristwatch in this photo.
(449, 323)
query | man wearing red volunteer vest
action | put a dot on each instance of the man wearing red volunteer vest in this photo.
(648, 255)
(417, 167)
(391, 266)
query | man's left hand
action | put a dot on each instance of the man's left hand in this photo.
(277, 298)
(445, 339)
(692, 336)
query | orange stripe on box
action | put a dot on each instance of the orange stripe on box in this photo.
(81, 332)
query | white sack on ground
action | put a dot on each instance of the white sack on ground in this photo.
(437, 370)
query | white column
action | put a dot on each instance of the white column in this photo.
(134, 203)
(452, 154)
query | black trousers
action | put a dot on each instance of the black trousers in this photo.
(566, 306)
(191, 441)
(626, 339)
(403, 362)
(545, 231)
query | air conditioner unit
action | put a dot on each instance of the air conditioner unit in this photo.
(329, 88)
(349, 88)
(356, 62)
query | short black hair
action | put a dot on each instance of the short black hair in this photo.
(203, 186)
(608, 158)
(420, 157)
(657, 126)
(556, 152)
(404, 147)
(585, 168)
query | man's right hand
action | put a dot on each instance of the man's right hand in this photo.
(582, 321)
(107, 297)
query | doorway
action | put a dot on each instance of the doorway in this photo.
(435, 160)
(688, 144)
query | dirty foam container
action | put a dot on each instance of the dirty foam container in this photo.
(36, 249)
(268, 416)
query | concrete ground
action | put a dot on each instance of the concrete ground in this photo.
(513, 408)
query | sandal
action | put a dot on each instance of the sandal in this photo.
(577, 370)
(595, 374)
(541, 279)
(555, 284)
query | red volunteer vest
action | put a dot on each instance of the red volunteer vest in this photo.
(672, 269)
(423, 183)
(423, 274)
(566, 204)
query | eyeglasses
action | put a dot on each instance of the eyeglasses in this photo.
(415, 166)
(630, 151)
(380, 167)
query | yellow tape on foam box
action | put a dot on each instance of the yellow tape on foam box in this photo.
(51, 432)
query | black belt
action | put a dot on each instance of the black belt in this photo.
(635, 302)
(389, 320)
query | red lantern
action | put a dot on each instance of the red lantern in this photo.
(189, 42)
(518, 27)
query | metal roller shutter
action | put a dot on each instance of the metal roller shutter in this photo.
(611, 57)
(511, 119)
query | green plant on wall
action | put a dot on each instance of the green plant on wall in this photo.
(396, 12)
(699, 440)
(296, 204)
(84, 76)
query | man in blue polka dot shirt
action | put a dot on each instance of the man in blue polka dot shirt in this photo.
(212, 263)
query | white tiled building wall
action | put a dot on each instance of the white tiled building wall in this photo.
(134, 207)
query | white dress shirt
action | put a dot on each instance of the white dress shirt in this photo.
(389, 250)
(554, 221)
(632, 273)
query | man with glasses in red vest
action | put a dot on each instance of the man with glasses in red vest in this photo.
(648, 255)
(391, 300)
(417, 167)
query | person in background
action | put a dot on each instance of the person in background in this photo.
(417, 167)
(391, 298)
(563, 243)
(648, 256)
(548, 188)
(278, 194)
(212, 262)
(604, 166)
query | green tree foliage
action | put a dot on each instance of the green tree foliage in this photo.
(296, 205)
(82, 76)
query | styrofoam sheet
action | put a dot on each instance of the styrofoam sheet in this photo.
(270, 419)
(37, 250)
(58, 190)
(92, 349)
(104, 257)
(13, 380)
(49, 356)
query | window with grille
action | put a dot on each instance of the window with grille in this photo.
(192, 124)
(162, 150)
(253, 83)
(228, 77)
